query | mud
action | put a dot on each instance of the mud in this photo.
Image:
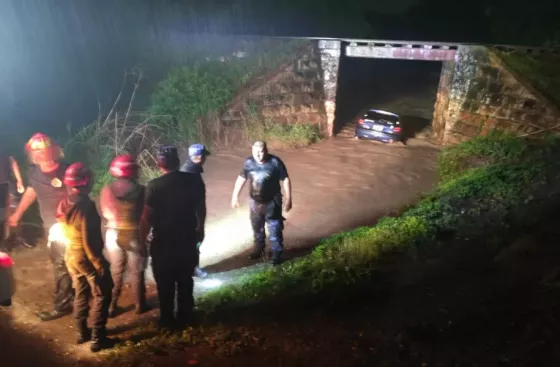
(338, 184)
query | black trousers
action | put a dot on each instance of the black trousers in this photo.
(269, 213)
(173, 272)
(63, 294)
(88, 286)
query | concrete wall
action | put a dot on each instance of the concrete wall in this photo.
(483, 95)
(295, 93)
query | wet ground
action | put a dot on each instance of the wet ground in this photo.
(338, 184)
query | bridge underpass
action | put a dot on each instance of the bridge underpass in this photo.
(477, 92)
(402, 83)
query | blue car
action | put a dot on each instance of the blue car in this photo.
(379, 125)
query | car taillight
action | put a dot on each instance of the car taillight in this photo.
(397, 129)
(361, 121)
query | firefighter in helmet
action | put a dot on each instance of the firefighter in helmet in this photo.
(84, 256)
(45, 184)
(121, 204)
(173, 209)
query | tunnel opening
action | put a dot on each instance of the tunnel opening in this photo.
(404, 87)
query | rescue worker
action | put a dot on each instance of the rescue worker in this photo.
(84, 256)
(45, 184)
(174, 210)
(8, 167)
(121, 204)
(197, 157)
(264, 172)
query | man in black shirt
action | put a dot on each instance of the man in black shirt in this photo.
(194, 164)
(264, 172)
(174, 210)
(45, 179)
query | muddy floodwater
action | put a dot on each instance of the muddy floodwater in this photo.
(338, 184)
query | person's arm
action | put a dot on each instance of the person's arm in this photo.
(92, 239)
(17, 175)
(27, 199)
(146, 218)
(287, 184)
(239, 183)
(201, 212)
(287, 193)
(145, 225)
(105, 203)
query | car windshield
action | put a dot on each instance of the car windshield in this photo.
(373, 115)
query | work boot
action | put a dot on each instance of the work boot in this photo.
(53, 315)
(276, 258)
(113, 311)
(84, 333)
(141, 308)
(199, 273)
(256, 255)
(99, 340)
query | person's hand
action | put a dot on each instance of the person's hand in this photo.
(101, 272)
(20, 187)
(234, 203)
(200, 236)
(13, 220)
(287, 205)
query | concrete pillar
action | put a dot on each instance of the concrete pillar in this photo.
(441, 107)
(330, 58)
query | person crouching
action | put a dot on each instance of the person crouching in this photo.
(87, 266)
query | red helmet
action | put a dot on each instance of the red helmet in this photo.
(77, 175)
(124, 166)
(41, 148)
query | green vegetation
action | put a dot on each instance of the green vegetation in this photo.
(487, 187)
(257, 127)
(184, 106)
(541, 71)
(203, 87)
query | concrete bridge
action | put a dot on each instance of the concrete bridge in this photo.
(477, 92)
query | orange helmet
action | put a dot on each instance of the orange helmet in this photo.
(41, 148)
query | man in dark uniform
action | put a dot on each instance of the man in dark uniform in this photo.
(174, 210)
(194, 164)
(264, 172)
(45, 179)
(81, 234)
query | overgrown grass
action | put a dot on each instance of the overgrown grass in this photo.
(541, 71)
(297, 135)
(205, 85)
(471, 200)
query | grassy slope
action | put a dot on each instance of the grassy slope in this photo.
(492, 189)
(541, 71)
(509, 170)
